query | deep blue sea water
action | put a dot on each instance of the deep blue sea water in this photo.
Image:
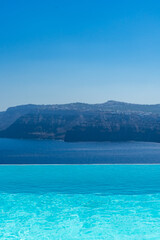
(57, 152)
(83, 202)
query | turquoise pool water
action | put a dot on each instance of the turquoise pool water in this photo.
(66, 202)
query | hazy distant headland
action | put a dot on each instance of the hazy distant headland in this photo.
(110, 121)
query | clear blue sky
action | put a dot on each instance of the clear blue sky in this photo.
(58, 51)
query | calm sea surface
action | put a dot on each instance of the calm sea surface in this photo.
(58, 152)
(83, 202)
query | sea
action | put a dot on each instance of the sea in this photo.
(84, 191)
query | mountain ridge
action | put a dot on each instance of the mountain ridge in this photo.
(109, 102)
(109, 121)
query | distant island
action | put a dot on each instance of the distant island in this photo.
(110, 121)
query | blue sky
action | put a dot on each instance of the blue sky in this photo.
(79, 51)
